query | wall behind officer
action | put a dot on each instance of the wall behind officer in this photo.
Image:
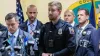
(69, 17)
(32, 25)
(56, 35)
(82, 33)
(12, 22)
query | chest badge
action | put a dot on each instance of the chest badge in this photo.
(60, 31)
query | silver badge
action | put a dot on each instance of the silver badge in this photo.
(88, 32)
(71, 30)
(60, 31)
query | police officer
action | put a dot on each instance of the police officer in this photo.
(13, 37)
(83, 32)
(32, 25)
(56, 36)
(95, 40)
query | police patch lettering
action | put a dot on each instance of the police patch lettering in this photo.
(60, 31)
(84, 43)
(71, 30)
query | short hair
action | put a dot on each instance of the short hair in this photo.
(71, 11)
(31, 6)
(11, 15)
(86, 10)
(56, 3)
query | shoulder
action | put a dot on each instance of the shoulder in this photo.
(47, 24)
(2, 27)
(23, 24)
(26, 34)
(3, 34)
(91, 26)
(39, 22)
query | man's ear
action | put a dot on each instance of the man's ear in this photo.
(60, 11)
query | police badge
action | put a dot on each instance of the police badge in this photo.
(60, 31)
(71, 30)
(88, 32)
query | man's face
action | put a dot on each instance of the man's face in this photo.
(82, 17)
(32, 13)
(12, 25)
(69, 17)
(53, 12)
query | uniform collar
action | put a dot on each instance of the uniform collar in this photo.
(58, 24)
(34, 23)
(84, 26)
(72, 24)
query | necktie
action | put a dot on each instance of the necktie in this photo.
(78, 35)
(31, 29)
(12, 39)
(12, 44)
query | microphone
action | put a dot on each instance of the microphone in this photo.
(17, 48)
(30, 43)
(25, 41)
(6, 42)
(6, 45)
(37, 31)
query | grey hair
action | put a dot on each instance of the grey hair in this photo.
(11, 15)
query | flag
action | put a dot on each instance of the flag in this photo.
(92, 15)
(19, 11)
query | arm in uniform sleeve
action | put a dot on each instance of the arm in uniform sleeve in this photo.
(70, 43)
(90, 48)
(41, 43)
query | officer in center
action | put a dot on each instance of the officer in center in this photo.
(56, 36)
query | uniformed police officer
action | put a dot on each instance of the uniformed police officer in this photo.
(95, 40)
(14, 37)
(83, 32)
(56, 36)
(32, 25)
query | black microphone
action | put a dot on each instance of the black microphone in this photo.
(6, 42)
(17, 48)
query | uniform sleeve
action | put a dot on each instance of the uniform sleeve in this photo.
(70, 43)
(90, 48)
(41, 43)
